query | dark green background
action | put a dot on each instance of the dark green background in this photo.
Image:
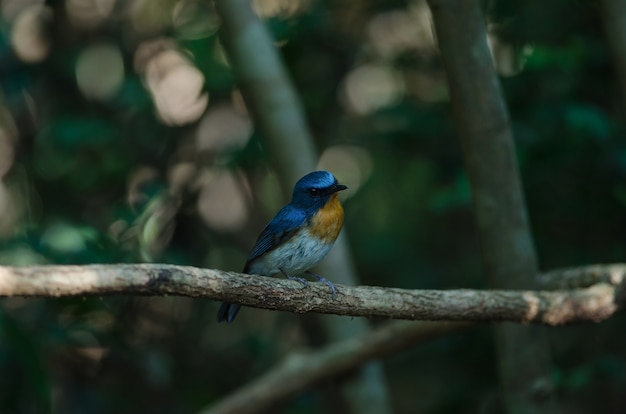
(410, 225)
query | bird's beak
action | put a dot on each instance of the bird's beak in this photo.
(339, 187)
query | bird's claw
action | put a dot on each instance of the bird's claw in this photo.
(317, 277)
(328, 283)
(299, 279)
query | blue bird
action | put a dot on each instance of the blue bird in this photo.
(298, 237)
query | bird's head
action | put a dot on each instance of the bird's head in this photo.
(313, 191)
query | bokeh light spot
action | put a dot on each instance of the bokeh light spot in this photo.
(11, 9)
(175, 84)
(371, 87)
(223, 128)
(223, 202)
(89, 13)
(100, 71)
(352, 165)
(279, 8)
(28, 35)
(66, 238)
(397, 31)
(194, 19)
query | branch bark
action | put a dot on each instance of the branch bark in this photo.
(585, 276)
(591, 304)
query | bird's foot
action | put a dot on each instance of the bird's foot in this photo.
(328, 283)
(297, 279)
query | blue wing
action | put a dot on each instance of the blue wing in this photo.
(282, 227)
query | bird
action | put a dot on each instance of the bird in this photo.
(298, 237)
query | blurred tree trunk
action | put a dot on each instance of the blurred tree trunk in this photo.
(277, 110)
(482, 125)
(614, 19)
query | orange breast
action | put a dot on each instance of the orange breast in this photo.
(326, 223)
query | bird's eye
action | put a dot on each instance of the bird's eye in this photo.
(313, 192)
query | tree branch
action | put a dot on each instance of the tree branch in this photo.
(301, 370)
(594, 303)
(509, 257)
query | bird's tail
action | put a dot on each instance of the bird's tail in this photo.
(228, 312)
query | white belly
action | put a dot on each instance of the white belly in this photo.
(297, 255)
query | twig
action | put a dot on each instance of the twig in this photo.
(300, 370)
(584, 276)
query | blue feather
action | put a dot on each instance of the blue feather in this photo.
(282, 227)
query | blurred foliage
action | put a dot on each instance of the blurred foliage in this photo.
(142, 150)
